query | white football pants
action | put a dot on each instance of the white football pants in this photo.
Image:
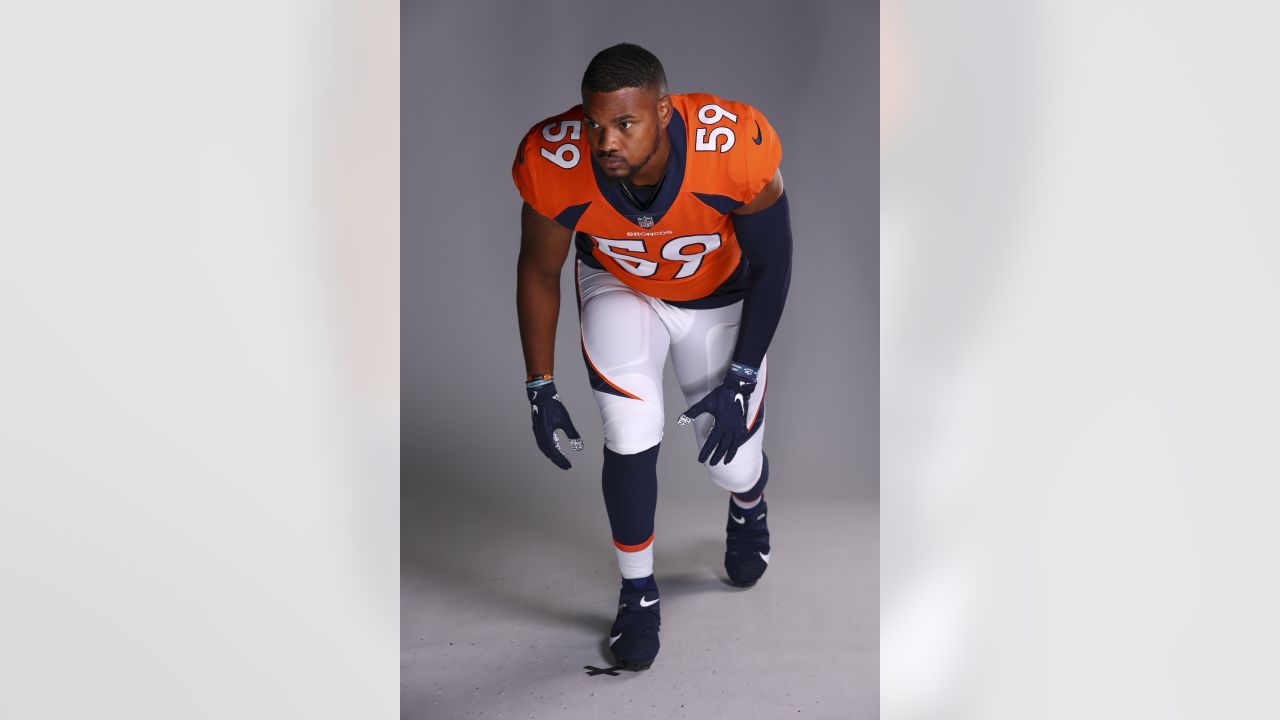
(626, 336)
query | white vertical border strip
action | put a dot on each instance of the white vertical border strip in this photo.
(199, 301)
(1079, 344)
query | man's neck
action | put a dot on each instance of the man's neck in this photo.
(642, 196)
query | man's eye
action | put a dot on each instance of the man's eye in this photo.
(592, 125)
(626, 125)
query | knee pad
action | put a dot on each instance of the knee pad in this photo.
(741, 475)
(631, 427)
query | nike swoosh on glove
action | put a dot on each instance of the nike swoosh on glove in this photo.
(728, 404)
(549, 415)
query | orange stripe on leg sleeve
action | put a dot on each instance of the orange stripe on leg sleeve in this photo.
(634, 548)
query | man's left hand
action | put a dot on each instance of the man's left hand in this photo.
(728, 404)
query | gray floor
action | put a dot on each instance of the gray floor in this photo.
(505, 597)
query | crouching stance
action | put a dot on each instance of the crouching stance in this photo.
(676, 207)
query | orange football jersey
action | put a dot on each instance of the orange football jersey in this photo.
(682, 247)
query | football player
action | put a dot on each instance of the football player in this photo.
(675, 206)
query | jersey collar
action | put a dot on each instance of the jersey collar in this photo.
(612, 191)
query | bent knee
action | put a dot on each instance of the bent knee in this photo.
(633, 432)
(740, 475)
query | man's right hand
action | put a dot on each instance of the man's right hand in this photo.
(549, 415)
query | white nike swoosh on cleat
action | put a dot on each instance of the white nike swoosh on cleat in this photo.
(763, 556)
(614, 639)
(760, 518)
(735, 518)
(647, 604)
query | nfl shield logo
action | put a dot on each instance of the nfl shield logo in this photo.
(644, 221)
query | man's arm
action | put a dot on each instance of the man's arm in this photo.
(763, 227)
(544, 244)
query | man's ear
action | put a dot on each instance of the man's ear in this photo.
(664, 111)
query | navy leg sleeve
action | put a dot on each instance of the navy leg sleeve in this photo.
(630, 485)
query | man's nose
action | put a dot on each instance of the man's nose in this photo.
(608, 140)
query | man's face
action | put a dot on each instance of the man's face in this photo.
(626, 129)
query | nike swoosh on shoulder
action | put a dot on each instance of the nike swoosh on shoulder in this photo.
(759, 136)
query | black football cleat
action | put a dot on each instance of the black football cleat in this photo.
(746, 554)
(634, 636)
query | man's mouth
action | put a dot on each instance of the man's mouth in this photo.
(611, 162)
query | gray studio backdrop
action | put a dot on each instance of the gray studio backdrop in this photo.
(508, 578)
(475, 76)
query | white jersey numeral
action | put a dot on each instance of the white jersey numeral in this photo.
(712, 114)
(707, 143)
(721, 138)
(673, 250)
(633, 265)
(567, 155)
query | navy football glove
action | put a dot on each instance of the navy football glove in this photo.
(549, 415)
(728, 404)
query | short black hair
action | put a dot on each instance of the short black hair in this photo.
(622, 66)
